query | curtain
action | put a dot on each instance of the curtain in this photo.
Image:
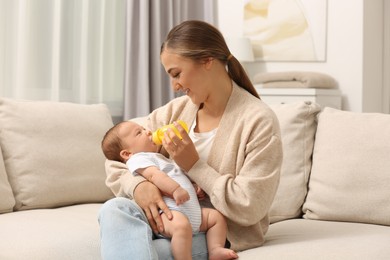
(91, 51)
(147, 23)
(63, 50)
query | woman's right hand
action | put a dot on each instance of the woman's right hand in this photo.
(181, 150)
(148, 197)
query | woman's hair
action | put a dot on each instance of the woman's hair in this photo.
(111, 144)
(199, 41)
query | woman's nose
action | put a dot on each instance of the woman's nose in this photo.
(175, 85)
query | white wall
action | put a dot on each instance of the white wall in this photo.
(354, 50)
(386, 63)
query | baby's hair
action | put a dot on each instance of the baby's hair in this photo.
(111, 143)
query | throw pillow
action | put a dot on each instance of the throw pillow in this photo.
(52, 152)
(7, 201)
(298, 126)
(350, 178)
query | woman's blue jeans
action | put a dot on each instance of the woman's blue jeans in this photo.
(125, 234)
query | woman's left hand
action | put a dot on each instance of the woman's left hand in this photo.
(182, 151)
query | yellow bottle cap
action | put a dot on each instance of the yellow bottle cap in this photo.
(155, 138)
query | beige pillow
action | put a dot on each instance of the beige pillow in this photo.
(7, 201)
(52, 152)
(350, 178)
(298, 125)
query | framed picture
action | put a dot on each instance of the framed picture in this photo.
(286, 30)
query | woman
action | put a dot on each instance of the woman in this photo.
(233, 151)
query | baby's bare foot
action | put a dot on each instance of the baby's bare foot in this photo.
(220, 253)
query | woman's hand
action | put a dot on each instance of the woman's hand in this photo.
(148, 197)
(182, 151)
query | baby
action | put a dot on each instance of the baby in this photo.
(132, 144)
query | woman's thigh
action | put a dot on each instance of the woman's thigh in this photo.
(126, 234)
(124, 231)
(199, 247)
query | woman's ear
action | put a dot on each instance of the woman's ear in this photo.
(208, 63)
(125, 155)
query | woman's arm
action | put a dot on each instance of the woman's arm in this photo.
(243, 194)
(119, 179)
(242, 172)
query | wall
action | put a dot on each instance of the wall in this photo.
(386, 63)
(355, 51)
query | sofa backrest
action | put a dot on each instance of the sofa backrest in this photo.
(52, 154)
(298, 124)
(350, 177)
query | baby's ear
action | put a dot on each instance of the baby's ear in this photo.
(125, 155)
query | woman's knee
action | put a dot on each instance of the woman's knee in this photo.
(120, 205)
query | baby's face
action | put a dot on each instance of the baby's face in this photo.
(136, 139)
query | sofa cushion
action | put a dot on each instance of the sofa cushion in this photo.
(52, 152)
(7, 201)
(298, 125)
(303, 239)
(350, 178)
(63, 233)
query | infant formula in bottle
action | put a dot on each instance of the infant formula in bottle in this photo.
(158, 135)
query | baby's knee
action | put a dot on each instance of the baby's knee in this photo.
(180, 223)
(215, 214)
(212, 217)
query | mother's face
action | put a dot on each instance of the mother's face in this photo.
(187, 76)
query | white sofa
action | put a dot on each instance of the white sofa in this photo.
(333, 201)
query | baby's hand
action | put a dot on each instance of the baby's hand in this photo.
(199, 192)
(180, 195)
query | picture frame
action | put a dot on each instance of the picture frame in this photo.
(286, 30)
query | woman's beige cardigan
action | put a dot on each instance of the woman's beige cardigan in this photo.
(242, 172)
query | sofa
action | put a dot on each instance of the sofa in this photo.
(333, 200)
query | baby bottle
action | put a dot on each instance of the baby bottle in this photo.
(158, 135)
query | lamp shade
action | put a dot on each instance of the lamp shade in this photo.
(241, 48)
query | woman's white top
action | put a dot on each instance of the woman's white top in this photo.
(203, 142)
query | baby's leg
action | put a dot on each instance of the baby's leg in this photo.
(213, 222)
(180, 231)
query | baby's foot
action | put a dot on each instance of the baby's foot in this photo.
(220, 253)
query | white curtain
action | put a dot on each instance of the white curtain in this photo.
(91, 51)
(148, 22)
(63, 50)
